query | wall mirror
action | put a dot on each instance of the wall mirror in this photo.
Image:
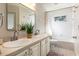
(12, 11)
(26, 15)
(11, 20)
(1, 19)
(18, 14)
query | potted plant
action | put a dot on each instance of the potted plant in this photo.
(29, 30)
(23, 27)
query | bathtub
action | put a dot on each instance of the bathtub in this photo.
(65, 47)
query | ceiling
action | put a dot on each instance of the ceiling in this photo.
(55, 6)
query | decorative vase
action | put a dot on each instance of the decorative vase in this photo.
(29, 35)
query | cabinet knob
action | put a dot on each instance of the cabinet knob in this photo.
(25, 53)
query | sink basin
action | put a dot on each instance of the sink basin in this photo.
(14, 44)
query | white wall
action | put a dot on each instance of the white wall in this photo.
(40, 18)
(56, 6)
(61, 30)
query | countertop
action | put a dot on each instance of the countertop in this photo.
(13, 51)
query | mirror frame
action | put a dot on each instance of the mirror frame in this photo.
(14, 21)
(7, 19)
(1, 19)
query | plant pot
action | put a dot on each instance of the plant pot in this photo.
(29, 35)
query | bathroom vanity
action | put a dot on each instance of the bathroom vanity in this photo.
(38, 45)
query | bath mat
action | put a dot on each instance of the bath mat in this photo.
(54, 54)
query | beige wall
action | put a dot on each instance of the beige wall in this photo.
(4, 33)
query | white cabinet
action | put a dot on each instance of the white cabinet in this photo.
(32, 51)
(47, 45)
(35, 50)
(43, 47)
(24, 53)
(38, 49)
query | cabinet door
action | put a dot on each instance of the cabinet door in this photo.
(47, 45)
(43, 47)
(35, 50)
(24, 53)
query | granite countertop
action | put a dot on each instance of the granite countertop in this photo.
(6, 51)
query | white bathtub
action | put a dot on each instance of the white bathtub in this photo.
(65, 47)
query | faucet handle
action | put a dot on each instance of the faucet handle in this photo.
(74, 37)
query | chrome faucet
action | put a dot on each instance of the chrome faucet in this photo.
(15, 36)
